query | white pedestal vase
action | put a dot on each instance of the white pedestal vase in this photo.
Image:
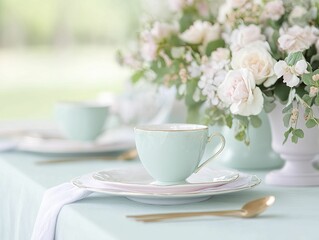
(298, 169)
(257, 156)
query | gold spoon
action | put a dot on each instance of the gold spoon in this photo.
(249, 210)
(128, 155)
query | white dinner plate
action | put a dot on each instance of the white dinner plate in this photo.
(137, 179)
(243, 182)
(112, 141)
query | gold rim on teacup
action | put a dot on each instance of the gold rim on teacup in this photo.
(171, 127)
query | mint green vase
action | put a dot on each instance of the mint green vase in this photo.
(257, 156)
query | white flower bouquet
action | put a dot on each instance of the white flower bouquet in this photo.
(236, 63)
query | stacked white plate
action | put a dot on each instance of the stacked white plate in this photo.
(51, 142)
(136, 184)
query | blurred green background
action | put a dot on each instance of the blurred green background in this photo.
(61, 50)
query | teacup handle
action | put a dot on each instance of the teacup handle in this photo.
(222, 139)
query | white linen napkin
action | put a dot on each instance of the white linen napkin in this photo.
(53, 200)
(7, 145)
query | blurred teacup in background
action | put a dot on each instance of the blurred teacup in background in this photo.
(82, 120)
(172, 152)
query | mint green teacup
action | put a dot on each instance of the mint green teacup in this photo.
(172, 152)
(81, 121)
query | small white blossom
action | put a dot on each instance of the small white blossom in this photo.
(294, 116)
(313, 91)
(209, 89)
(183, 75)
(194, 69)
(188, 57)
(290, 73)
(214, 70)
(315, 77)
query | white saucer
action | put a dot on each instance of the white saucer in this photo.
(110, 142)
(243, 182)
(137, 179)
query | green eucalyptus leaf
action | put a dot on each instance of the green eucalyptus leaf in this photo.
(190, 90)
(291, 96)
(286, 134)
(293, 58)
(286, 120)
(186, 21)
(229, 121)
(269, 106)
(137, 75)
(243, 121)
(317, 100)
(282, 91)
(240, 136)
(255, 121)
(311, 123)
(269, 103)
(314, 61)
(307, 99)
(193, 114)
(294, 139)
(273, 42)
(298, 132)
(213, 45)
(307, 79)
(287, 108)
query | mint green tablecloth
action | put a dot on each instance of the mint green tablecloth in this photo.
(22, 183)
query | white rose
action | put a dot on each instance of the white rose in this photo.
(258, 60)
(296, 38)
(297, 12)
(201, 33)
(239, 91)
(245, 35)
(274, 10)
